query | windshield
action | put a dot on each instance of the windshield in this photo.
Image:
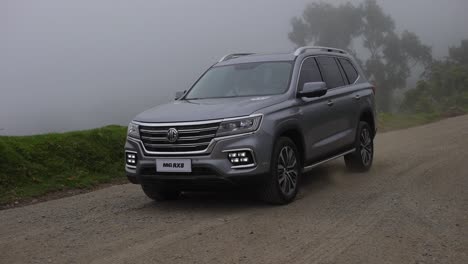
(246, 79)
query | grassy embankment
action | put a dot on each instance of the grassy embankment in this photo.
(32, 166)
(388, 122)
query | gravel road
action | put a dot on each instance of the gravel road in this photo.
(412, 207)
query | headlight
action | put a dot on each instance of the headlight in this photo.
(239, 126)
(133, 131)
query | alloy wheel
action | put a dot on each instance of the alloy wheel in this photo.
(288, 171)
(366, 146)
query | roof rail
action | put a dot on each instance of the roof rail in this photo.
(301, 50)
(233, 56)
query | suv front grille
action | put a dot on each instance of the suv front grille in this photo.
(190, 138)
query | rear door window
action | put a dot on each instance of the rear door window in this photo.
(330, 72)
(349, 69)
(309, 72)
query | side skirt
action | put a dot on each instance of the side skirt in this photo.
(310, 167)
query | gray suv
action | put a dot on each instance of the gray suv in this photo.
(256, 121)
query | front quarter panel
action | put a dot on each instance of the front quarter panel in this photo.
(280, 118)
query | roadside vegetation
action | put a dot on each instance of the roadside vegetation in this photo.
(442, 92)
(32, 166)
(444, 88)
(389, 121)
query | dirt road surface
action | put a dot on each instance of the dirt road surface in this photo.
(412, 207)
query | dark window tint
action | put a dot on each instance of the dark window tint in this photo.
(330, 72)
(349, 70)
(309, 72)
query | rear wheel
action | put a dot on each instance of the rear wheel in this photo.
(282, 185)
(160, 192)
(361, 159)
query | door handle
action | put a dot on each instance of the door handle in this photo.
(330, 103)
(357, 97)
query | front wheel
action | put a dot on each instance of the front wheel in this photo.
(282, 185)
(361, 159)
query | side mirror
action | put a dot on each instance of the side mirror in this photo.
(313, 89)
(179, 94)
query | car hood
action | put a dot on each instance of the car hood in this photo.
(207, 109)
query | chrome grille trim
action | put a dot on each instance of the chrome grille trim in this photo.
(176, 145)
(193, 130)
(197, 130)
(191, 137)
(155, 132)
(197, 137)
(194, 123)
(164, 139)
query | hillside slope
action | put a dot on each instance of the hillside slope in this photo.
(34, 165)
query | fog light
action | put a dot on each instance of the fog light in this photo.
(241, 158)
(131, 158)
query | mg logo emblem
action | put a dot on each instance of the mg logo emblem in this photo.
(172, 135)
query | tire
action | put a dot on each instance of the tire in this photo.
(160, 192)
(361, 159)
(282, 185)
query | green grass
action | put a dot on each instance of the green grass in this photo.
(32, 166)
(387, 121)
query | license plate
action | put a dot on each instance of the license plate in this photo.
(174, 165)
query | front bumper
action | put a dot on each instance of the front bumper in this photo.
(210, 167)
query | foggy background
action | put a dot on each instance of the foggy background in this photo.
(68, 65)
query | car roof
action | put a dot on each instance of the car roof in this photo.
(250, 58)
(258, 58)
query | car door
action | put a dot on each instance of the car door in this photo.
(355, 94)
(315, 113)
(339, 135)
